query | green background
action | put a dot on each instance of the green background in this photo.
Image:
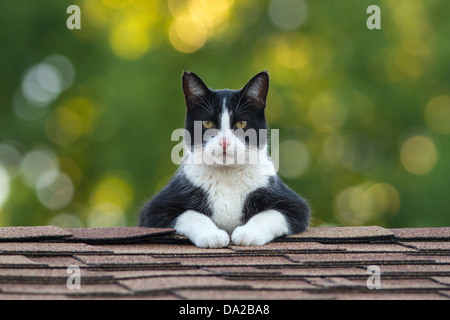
(86, 115)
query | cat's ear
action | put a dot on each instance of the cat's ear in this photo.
(193, 87)
(256, 89)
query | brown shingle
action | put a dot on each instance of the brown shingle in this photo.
(388, 295)
(253, 295)
(358, 258)
(336, 234)
(16, 260)
(122, 260)
(43, 248)
(322, 263)
(32, 233)
(422, 233)
(114, 235)
(282, 247)
(164, 249)
(58, 289)
(175, 283)
(443, 246)
(244, 260)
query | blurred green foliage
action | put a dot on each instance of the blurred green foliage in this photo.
(86, 115)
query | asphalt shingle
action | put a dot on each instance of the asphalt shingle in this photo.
(146, 263)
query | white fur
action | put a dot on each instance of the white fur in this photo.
(227, 186)
(201, 230)
(225, 117)
(260, 229)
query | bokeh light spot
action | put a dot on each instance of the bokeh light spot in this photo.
(293, 51)
(63, 126)
(387, 199)
(288, 14)
(66, 220)
(4, 186)
(327, 113)
(358, 205)
(186, 35)
(418, 155)
(106, 215)
(9, 156)
(54, 190)
(42, 84)
(437, 114)
(36, 163)
(130, 39)
(354, 151)
(118, 4)
(114, 190)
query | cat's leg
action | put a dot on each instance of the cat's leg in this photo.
(261, 229)
(201, 230)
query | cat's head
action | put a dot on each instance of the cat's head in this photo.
(226, 127)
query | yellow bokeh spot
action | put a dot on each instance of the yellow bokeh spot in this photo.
(408, 60)
(409, 17)
(73, 118)
(358, 205)
(178, 8)
(196, 21)
(130, 39)
(118, 4)
(96, 12)
(64, 126)
(437, 114)
(387, 198)
(293, 51)
(106, 215)
(327, 113)
(113, 190)
(186, 35)
(209, 13)
(419, 155)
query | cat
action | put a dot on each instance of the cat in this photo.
(212, 198)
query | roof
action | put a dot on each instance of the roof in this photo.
(147, 263)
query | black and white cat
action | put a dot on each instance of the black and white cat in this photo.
(213, 197)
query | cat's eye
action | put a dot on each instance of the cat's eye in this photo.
(241, 124)
(208, 124)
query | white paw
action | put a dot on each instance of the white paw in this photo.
(212, 239)
(248, 236)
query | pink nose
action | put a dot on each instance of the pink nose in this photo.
(224, 142)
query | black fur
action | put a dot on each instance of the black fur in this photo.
(181, 195)
(278, 196)
(177, 197)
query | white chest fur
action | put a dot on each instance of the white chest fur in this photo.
(227, 188)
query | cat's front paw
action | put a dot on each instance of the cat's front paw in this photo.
(212, 239)
(248, 236)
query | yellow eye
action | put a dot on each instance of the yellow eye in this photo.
(208, 124)
(241, 124)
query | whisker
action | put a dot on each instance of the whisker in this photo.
(240, 110)
(240, 98)
(205, 108)
(208, 104)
